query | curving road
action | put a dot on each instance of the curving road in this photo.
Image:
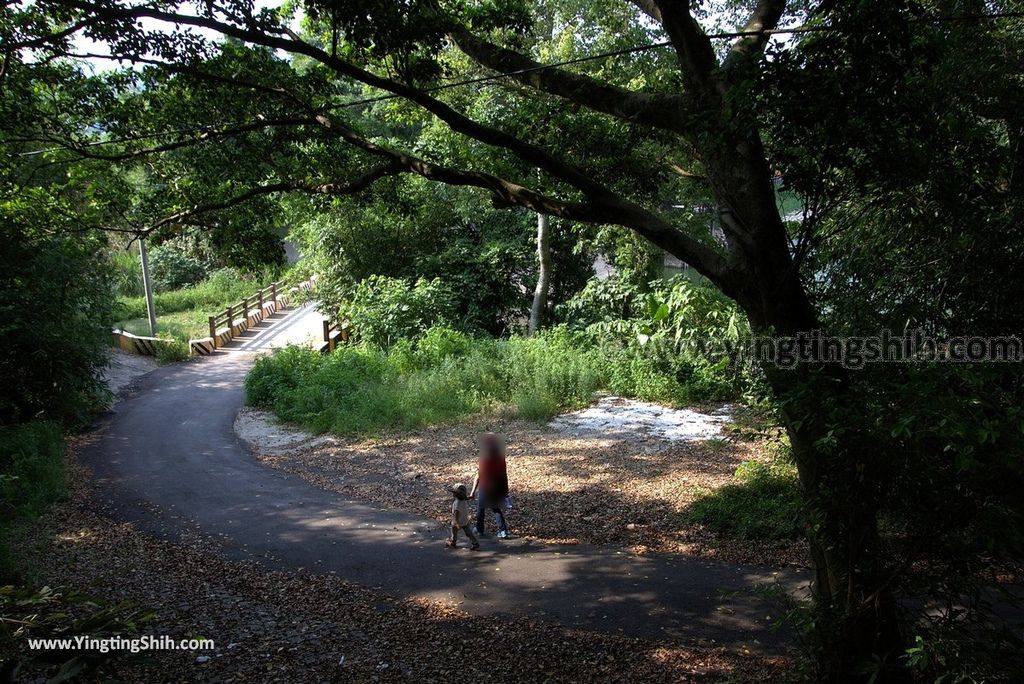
(167, 458)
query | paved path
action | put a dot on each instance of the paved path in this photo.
(168, 459)
(301, 325)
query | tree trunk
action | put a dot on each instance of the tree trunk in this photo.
(540, 294)
(857, 622)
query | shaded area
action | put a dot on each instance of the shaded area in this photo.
(635, 491)
(168, 459)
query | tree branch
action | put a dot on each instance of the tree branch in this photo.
(660, 110)
(763, 19)
(602, 205)
(693, 48)
(649, 8)
(205, 136)
(334, 188)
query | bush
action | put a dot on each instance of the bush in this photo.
(55, 293)
(63, 613)
(172, 350)
(384, 310)
(764, 503)
(172, 269)
(674, 341)
(32, 477)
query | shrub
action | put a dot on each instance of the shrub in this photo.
(172, 269)
(763, 503)
(32, 476)
(172, 350)
(55, 309)
(62, 613)
(384, 310)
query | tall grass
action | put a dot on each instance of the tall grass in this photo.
(362, 389)
(446, 375)
(127, 273)
(220, 289)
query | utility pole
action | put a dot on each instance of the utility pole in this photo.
(147, 285)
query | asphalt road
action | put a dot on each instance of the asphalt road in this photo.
(167, 459)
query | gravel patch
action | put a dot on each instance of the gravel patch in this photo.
(264, 433)
(628, 419)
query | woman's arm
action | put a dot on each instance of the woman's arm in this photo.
(476, 481)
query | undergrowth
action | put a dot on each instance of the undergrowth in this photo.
(446, 375)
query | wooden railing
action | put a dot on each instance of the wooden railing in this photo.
(335, 332)
(242, 309)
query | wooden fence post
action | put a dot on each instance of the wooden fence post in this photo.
(213, 329)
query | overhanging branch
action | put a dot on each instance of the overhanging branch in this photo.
(660, 110)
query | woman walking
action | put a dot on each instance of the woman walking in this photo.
(491, 483)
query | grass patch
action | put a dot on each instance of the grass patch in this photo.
(184, 314)
(762, 503)
(445, 376)
(220, 289)
(183, 325)
(32, 477)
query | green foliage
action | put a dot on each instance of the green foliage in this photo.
(958, 656)
(384, 310)
(172, 350)
(672, 340)
(763, 503)
(443, 376)
(410, 229)
(172, 269)
(223, 287)
(55, 296)
(62, 613)
(32, 476)
(126, 273)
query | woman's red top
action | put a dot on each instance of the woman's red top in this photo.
(493, 478)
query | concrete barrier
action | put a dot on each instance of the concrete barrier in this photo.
(137, 344)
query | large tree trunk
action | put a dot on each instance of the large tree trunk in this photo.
(540, 294)
(839, 472)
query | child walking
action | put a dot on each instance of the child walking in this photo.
(460, 518)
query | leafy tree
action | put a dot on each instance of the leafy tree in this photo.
(55, 291)
(641, 140)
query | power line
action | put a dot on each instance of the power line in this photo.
(728, 35)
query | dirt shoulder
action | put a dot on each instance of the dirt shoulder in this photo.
(628, 487)
(125, 369)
